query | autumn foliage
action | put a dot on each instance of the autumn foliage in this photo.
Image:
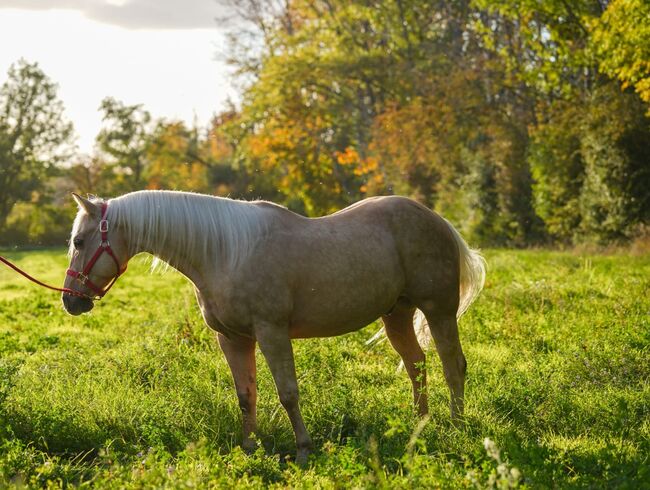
(522, 122)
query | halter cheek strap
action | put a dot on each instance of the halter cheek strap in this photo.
(104, 247)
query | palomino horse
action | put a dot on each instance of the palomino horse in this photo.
(264, 274)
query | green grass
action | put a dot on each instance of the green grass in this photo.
(137, 394)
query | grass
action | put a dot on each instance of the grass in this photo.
(137, 394)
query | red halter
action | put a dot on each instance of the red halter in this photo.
(104, 246)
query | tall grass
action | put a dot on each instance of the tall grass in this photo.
(137, 394)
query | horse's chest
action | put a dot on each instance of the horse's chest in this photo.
(224, 316)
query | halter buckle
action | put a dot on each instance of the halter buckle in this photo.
(82, 278)
(103, 226)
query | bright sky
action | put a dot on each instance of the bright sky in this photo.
(164, 54)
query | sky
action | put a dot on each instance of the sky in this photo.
(164, 54)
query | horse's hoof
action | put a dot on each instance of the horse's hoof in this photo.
(249, 446)
(301, 458)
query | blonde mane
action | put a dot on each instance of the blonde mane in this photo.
(207, 229)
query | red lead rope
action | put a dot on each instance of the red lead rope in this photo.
(82, 277)
(19, 271)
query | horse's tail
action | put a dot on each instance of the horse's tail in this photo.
(472, 278)
(472, 272)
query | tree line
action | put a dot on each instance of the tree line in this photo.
(523, 122)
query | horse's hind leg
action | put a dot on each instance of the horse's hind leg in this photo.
(276, 347)
(399, 330)
(444, 330)
(240, 354)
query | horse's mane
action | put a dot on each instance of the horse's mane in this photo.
(206, 229)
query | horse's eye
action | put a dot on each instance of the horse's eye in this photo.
(78, 243)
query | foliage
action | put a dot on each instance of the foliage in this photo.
(515, 119)
(558, 378)
(44, 224)
(169, 162)
(34, 135)
(124, 139)
(622, 42)
(448, 102)
(590, 167)
(558, 170)
(586, 150)
(614, 197)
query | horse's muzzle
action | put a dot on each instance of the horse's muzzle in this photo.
(76, 305)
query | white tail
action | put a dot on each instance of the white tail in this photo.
(472, 272)
(472, 278)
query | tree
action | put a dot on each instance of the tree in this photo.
(91, 174)
(486, 110)
(172, 160)
(558, 169)
(199, 160)
(588, 141)
(34, 135)
(621, 38)
(615, 197)
(124, 139)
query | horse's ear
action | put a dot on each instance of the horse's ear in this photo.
(89, 207)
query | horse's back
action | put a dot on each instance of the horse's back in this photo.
(415, 228)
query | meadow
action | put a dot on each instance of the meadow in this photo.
(137, 394)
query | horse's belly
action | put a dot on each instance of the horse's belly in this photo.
(339, 311)
(305, 330)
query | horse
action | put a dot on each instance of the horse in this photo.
(265, 275)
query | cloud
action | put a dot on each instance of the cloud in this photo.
(136, 14)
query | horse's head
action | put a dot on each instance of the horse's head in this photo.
(98, 255)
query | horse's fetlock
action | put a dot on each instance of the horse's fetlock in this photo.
(245, 400)
(304, 445)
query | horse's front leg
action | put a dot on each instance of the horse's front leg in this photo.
(276, 348)
(240, 354)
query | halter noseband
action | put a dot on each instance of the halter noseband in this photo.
(104, 246)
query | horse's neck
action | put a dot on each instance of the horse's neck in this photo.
(188, 236)
(172, 251)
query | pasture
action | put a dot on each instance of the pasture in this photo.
(137, 393)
